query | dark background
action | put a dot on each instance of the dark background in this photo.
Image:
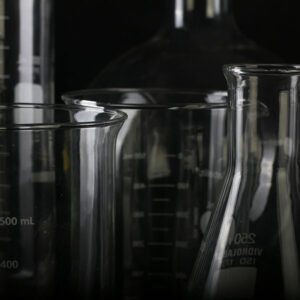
(90, 33)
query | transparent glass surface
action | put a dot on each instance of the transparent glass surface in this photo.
(171, 157)
(198, 37)
(57, 234)
(26, 51)
(252, 247)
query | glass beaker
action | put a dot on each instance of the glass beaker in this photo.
(252, 247)
(57, 201)
(171, 157)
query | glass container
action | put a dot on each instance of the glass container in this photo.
(197, 38)
(26, 51)
(252, 247)
(57, 201)
(171, 157)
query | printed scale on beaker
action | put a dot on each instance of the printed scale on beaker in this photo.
(3, 47)
(25, 76)
(22, 219)
(26, 60)
(161, 204)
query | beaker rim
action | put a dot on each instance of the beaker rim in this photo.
(28, 116)
(263, 69)
(147, 98)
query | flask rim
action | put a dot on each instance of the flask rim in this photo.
(150, 98)
(262, 69)
(92, 117)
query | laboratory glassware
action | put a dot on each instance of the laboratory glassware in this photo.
(26, 54)
(57, 236)
(26, 51)
(197, 39)
(252, 247)
(171, 157)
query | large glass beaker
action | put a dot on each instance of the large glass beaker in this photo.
(252, 248)
(57, 236)
(171, 157)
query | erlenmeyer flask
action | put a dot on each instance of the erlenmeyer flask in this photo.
(252, 247)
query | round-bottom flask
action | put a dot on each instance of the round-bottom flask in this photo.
(197, 39)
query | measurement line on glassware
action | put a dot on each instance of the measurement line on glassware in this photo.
(160, 274)
(5, 186)
(4, 18)
(160, 259)
(160, 244)
(5, 212)
(137, 273)
(159, 288)
(161, 214)
(138, 244)
(171, 155)
(161, 199)
(4, 154)
(5, 239)
(166, 185)
(138, 214)
(182, 215)
(181, 276)
(4, 76)
(180, 156)
(162, 229)
(176, 275)
(4, 47)
(137, 156)
(181, 244)
(139, 186)
(43, 177)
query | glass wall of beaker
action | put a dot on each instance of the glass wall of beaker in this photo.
(252, 248)
(171, 157)
(57, 201)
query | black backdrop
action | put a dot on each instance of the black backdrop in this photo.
(90, 33)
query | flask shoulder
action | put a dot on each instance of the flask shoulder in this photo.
(181, 59)
(134, 68)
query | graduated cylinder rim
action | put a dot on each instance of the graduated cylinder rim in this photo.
(262, 69)
(106, 118)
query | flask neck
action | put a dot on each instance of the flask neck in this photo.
(265, 117)
(194, 14)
